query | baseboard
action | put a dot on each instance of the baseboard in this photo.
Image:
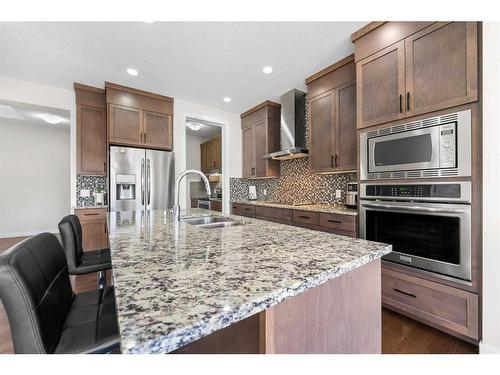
(488, 349)
(27, 233)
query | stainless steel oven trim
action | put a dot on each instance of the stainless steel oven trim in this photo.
(465, 192)
(433, 164)
(462, 211)
(463, 146)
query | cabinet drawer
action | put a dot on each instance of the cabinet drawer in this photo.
(243, 209)
(345, 223)
(305, 217)
(85, 214)
(279, 215)
(442, 306)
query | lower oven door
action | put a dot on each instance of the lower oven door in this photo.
(431, 236)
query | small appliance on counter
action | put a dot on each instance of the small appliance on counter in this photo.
(252, 193)
(351, 199)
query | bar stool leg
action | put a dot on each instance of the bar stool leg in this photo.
(101, 279)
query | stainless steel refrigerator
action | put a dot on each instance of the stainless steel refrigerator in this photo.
(141, 179)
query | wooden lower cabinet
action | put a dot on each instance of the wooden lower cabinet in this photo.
(94, 228)
(452, 310)
(194, 202)
(216, 206)
(344, 225)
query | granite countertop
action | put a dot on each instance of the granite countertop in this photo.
(89, 207)
(176, 283)
(318, 207)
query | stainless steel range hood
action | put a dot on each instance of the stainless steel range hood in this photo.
(292, 127)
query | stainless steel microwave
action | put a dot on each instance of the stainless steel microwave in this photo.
(434, 147)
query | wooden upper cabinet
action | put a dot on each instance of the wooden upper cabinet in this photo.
(157, 130)
(345, 130)
(217, 149)
(260, 136)
(322, 141)
(139, 118)
(125, 125)
(432, 66)
(441, 67)
(332, 118)
(91, 130)
(211, 155)
(381, 86)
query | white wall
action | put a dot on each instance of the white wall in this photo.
(491, 184)
(33, 93)
(193, 152)
(231, 142)
(34, 178)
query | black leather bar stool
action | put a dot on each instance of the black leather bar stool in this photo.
(45, 315)
(80, 262)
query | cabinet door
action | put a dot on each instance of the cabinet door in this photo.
(158, 132)
(380, 86)
(441, 67)
(260, 148)
(321, 155)
(345, 127)
(248, 143)
(217, 150)
(91, 140)
(94, 235)
(205, 157)
(125, 125)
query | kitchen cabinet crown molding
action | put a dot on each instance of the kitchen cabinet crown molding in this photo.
(260, 106)
(329, 69)
(89, 95)
(366, 29)
(132, 90)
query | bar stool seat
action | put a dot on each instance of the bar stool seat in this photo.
(45, 316)
(82, 262)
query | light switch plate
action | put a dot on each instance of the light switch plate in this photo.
(338, 194)
(85, 193)
(264, 192)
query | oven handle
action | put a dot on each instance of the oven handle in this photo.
(415, 208)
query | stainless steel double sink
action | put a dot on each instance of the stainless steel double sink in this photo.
(209, 222)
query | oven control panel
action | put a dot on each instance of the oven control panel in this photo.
(414, 191)
(447, 145)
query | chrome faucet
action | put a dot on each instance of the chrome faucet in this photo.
(177, 208)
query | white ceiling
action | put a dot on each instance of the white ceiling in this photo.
(29, 114)
(196, 61)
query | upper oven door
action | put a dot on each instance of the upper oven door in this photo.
(430, 236)
(406, 151)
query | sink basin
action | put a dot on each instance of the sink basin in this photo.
(211, 222)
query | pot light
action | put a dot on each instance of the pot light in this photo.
(267, 69)
(227, 100)
(132, 71)
(194, 126)
(51, 119)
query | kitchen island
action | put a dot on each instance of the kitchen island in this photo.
(258, 287)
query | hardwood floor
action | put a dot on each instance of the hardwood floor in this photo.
(400, 335)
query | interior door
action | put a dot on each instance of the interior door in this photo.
(380, 86)
(321, 156)
(345, 127)
(441, 67)
(160, 180)
(248, 142)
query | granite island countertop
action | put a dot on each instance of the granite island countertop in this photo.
(176, 283)
(315, 207)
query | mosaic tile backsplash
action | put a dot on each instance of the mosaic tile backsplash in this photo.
(91, 183)
(295, 185)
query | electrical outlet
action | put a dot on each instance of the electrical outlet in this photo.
(338, 194)
(264, 192)
(85, 193)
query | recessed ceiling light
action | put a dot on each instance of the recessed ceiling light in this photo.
(267, 69)
(51, 119)
(149, 21)
(194, 125)
(132, 71)
(227, 100)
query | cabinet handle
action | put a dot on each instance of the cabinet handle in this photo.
(335, 160)
(247, 209)
(144, 137)
(400, 103)
(405, 293)
(105, 228)
(105, 169)
(304, 217)
(93, 214)
(334, 221)
(408, 101)
(331, 161)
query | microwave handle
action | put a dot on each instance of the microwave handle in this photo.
(414, 208)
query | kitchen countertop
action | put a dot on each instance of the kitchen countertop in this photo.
(89, 207)
(176, 283)
(319, 207)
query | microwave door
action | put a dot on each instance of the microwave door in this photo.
(416, 149)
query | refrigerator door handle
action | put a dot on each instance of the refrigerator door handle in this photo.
(142, 181)
(149, 181)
